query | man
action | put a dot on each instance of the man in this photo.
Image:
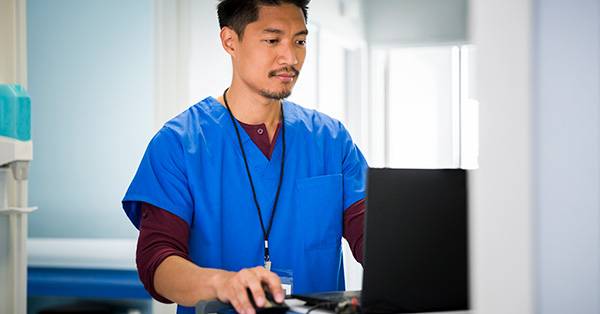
(246, 184)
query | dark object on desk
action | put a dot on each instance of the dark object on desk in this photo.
(416, 249)
(327, 300)
(216, 306)
(271, 306)
(213, 306)
(339, 302)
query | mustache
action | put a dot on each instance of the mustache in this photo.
(290, 69)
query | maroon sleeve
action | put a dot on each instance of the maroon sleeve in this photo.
(162, 234)
(354, 218)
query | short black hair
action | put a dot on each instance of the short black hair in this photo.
(237, 14)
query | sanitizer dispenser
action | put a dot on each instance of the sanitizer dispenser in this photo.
(16, 151)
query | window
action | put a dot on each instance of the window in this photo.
(423, 112)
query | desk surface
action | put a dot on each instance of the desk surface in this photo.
(297, 306)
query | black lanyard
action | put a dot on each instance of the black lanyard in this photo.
(262, 225)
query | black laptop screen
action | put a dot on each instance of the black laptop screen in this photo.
(416, 249)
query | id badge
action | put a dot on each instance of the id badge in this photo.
(287, 279)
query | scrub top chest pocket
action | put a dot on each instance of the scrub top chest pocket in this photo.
(319, 201)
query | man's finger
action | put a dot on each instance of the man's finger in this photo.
(255, 286)
(236, 305)
(244, 302)
(273, 282)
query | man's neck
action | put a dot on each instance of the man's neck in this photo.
(251, 108)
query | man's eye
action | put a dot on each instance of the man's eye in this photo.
(301, 42)
(271, 41)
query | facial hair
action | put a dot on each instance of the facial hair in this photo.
(282, 94)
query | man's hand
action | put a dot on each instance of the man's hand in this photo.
(231, 287)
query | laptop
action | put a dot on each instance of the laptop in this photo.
(416, 244)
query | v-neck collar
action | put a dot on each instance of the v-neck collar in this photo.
(260, 162)
(260, 135)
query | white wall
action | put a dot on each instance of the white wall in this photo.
(416, 22)
(346, 22)
(210, 64)
(536, 206)
(501, 189)
(567, 156)
(91, 85)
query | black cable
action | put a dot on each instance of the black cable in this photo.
(320, 305)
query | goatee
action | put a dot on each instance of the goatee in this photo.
(275, 96)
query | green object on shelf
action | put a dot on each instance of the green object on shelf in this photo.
(15, 112)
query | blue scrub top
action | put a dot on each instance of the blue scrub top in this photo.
(193, 168)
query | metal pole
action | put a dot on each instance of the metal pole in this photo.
(18, 265)
(17, 212)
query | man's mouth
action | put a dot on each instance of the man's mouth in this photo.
(285, 76)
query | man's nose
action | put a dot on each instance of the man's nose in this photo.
(288, 55)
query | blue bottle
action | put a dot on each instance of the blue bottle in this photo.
(15, 112)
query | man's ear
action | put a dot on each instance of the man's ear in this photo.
(229, 40)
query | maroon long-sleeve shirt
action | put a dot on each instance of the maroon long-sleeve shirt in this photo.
(163, 234)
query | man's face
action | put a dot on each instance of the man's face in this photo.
(271, 54)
